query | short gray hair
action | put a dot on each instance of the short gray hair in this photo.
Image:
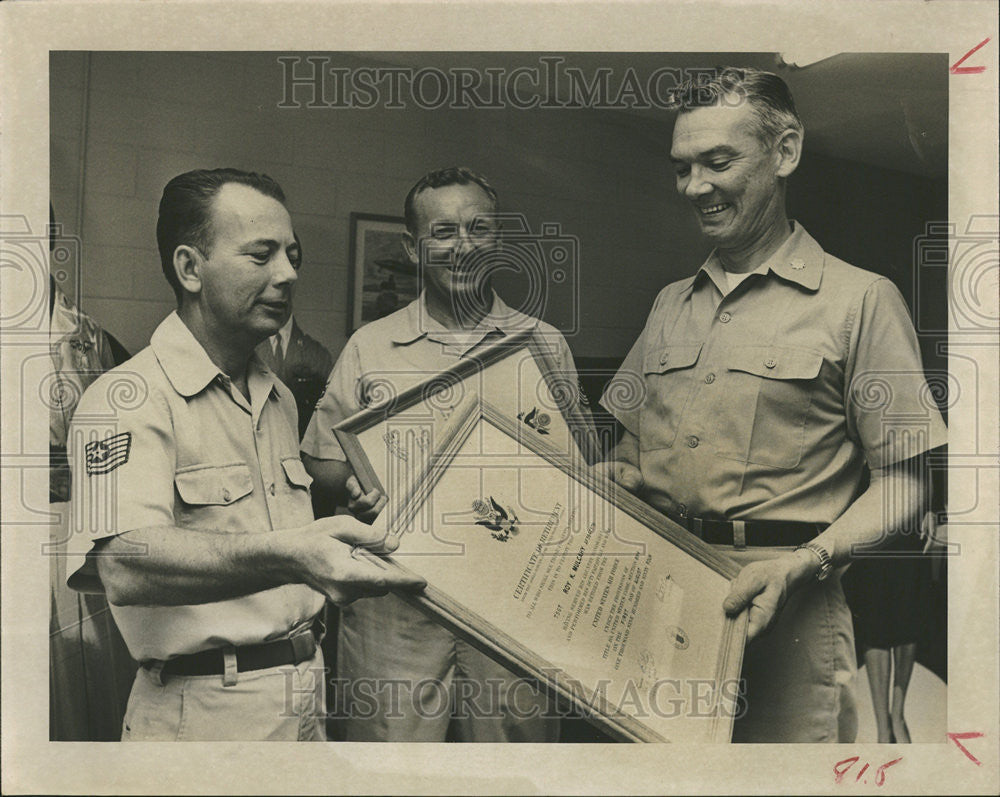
(768, 95)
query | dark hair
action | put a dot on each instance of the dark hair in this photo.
(439, 178)
(768, 95)
(186, 211)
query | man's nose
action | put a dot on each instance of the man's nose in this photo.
(463, 244)
(284, 271)
(696, 185)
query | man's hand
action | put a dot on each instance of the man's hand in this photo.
(622, 463)
(621, 473)
(322, 556)
(364, 506)
(765, 586)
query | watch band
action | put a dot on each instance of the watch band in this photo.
(825, 560)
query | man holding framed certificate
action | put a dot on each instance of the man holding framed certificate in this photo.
(190, 503)
(452, 230)
(778, 379)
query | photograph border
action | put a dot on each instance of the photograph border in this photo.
(967, 756)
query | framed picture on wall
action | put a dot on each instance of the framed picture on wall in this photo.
(380, 276)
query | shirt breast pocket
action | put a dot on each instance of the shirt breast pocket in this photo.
(209, 493)
(775, 384)
(668, 375)
(295, 474)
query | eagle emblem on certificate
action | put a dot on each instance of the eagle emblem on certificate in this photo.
(533, 419)
(501, 522)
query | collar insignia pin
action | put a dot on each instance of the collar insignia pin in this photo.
(798, 264)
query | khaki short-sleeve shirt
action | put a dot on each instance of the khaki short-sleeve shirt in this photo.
(167, 440)
(767, 401)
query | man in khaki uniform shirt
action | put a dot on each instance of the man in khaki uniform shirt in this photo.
(417, 665)
(778, 380)
(188, 484)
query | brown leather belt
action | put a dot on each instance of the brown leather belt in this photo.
(755, 533)
(298, 647)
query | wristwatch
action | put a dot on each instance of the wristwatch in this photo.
(821, 553)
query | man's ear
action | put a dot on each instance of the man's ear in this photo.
(187, 267)
(789, 151)
(410, 247)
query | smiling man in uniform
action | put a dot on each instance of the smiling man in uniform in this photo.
(188, 483)
(451, 224)
(780, 382)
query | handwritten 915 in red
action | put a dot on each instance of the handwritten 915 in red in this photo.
(841, 768)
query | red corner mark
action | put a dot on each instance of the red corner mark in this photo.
(969, 735)
(958, 69)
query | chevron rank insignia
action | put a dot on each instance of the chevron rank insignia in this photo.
(103, 456)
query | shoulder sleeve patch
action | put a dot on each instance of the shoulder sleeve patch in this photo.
(103, 456)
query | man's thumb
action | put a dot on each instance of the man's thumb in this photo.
(741, 593)
(629, 477)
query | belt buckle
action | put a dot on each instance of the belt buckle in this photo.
(303, 644)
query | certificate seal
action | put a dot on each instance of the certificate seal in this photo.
(678, 637)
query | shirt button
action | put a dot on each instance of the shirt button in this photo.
(725, 318)
(770, 362)
(225, 494)
(663, 359)
(709, 378)
(693, 441)
(270, 489)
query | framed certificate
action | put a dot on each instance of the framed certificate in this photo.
(516, 374)
(566, 579)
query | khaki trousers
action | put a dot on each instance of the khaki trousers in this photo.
(286, 703)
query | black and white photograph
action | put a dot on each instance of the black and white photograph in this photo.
(760, 272)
